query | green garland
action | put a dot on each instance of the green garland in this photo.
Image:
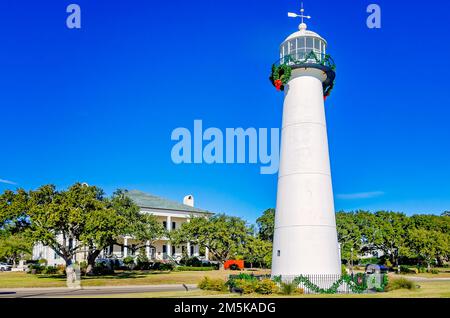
(384, 284)
(354, 287)
(280, 76)
(357, 284)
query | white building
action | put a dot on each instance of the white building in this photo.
(170, 213)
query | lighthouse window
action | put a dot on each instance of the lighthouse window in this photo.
(301, 43)
(285, 49)
(317, 44)
(292, 46)
(309, 43)
(278, 253)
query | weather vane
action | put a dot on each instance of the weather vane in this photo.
(301, 15)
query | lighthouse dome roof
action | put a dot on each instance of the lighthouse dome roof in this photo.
(303, 32)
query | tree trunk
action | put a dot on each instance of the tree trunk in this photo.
(222, 265)
(71, 279)
(92, 256)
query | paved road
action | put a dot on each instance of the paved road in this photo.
(88, 291)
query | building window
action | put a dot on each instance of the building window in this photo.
(174, 225)
(164, 249)
(165, 224)
(56, 256)
(192, 249)
(278, 253)
(173, 250)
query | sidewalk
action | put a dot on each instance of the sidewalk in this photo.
(90, 290)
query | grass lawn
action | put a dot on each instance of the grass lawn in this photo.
(426, 290)
(23, 280)
(20, 280)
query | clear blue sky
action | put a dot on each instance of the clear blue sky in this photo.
(99, 104)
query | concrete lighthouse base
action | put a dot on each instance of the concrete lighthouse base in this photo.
(305, 239)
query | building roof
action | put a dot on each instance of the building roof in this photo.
(145, 200)
(304, 32)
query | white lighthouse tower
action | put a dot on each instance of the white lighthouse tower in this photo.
(305, 239)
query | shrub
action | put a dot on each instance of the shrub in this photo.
(35, 269)
(400, 283)
(245, 276)
(42, 262)
(343, 269)
(194, 269)
(142, 262)
(128, 261)
(194, 262)
(388, 264)
(102, 269)
(49, 270)
(370, 260)
(160, 266)
(212, 284)
(421, 269)
(288, 288)
(434, 271)
(407, 270)
(83, 267)
(247, 286)
(60, 269)
(266, 287)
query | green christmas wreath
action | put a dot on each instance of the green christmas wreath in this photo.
(280, 76)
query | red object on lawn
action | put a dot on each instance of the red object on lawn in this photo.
(238, 263)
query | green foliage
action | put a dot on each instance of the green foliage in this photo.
(421, 269)
(357, 284)
(225, 236)
(195, 269)
(247, 286)
(83, 267)
(288, 288)
(102, 269)
(370, 260)
(266, 287)
(400, 283)
(35, 268)
(257, 251)
(282, 73)
(429, 244)
(434, 271)
(212, 284)
(129, 260)
(161, 266)
(14, 247)
(343, 269)
(60, 269)
(142, 261)
(266, 225)
(191, 261)
(81, 215)
(49, 270)
(42, 262)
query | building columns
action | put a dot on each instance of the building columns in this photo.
(147, 249)
(188, 247)
(168, 227)
(125, 246)
(206, 253)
